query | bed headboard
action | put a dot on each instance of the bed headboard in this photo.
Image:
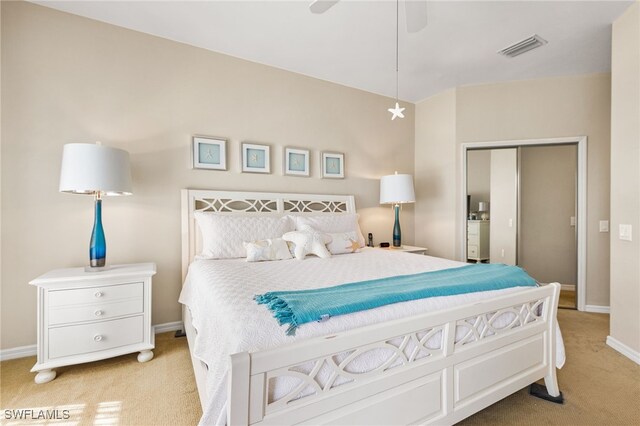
(251, 203)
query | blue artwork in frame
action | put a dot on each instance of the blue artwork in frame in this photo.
(333, 165)
(209, 153)
(256, 158)
(296, 162)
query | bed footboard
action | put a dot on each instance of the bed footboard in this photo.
(417, 383)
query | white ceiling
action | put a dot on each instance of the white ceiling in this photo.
(354, 42)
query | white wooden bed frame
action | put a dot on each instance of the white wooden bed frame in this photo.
(444, 386)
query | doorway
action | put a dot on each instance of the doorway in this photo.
(524, 204)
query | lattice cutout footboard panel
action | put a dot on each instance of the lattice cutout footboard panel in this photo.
(323, 375)
(482, 326)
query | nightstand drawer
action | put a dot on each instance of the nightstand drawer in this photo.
(100, 336)
(472, 251)
(95, 311)
(472, 229)
(474, 239)
(111, 293)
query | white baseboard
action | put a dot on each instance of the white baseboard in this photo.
(167, 326)
(31, 350)
(568, 287)
(19, 352)
(624, 349)
(597, 309)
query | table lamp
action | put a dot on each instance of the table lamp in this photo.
(94, 169)
(483, 209)
(397, 189)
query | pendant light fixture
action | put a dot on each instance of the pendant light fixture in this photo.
(397, 111)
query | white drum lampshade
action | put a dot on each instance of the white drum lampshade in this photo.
(95, 170)
(92, 168)
(397, 189)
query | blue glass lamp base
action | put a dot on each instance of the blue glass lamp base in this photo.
(397, 235)
(98, 244)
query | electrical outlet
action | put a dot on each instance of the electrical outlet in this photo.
(572, 221)
(502, 253)
(604, 226)
(624, 232)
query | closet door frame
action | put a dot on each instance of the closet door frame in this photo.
(581, 215)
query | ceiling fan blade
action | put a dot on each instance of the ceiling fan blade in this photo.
(321, 6)
(416, 13)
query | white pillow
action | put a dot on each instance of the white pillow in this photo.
(344, 242)
(309, 241)
(223, 234)
(264, 250)
(332, 224)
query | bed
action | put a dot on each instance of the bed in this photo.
(435, 360)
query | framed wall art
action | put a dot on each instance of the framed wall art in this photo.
(209, 153)
(296, 162)
(332, 165)
(255, 158)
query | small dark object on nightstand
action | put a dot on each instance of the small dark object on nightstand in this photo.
(540, 391)
(384, 245)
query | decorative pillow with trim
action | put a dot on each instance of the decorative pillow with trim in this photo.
(265, 250)
(332, 224)
(344, 242)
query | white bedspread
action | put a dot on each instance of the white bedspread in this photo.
(219, 294)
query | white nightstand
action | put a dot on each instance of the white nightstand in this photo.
(407, 249)
(88, 316)
(478, 232)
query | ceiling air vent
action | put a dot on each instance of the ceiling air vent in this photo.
(523, 46)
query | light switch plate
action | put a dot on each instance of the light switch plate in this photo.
(572, 221)
(625, 232)
(604, 226)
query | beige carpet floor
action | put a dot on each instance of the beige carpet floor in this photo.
(117, 391)
(567, 299)
(600, 386)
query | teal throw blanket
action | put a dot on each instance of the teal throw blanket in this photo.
(298, 307)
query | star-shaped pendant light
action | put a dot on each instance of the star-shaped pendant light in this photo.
(397, 111)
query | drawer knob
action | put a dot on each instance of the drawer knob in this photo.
(97, 337)
(98, 313)
(98, 294)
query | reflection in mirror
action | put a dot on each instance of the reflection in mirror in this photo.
(521, 210)
(478, 182)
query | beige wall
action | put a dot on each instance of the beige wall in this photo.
(544, 108)
(547, 241)
(70, 79)
(625, 179)
(435, 174)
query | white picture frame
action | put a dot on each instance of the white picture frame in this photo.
(296, 162)
(209, 153)
(332, 165)
(256, 158)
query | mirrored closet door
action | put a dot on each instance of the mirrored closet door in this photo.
(521, 210)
